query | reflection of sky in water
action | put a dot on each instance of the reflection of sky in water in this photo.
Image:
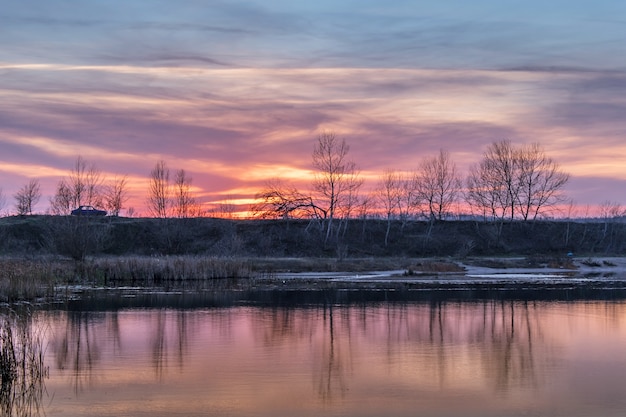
(442, 359)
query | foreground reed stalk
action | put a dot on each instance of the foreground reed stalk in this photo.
(22, 368)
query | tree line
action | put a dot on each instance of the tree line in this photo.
(508, 183)
(85, 185)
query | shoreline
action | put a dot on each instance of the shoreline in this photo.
(26, 280)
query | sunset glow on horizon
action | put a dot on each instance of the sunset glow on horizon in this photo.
(237, 93)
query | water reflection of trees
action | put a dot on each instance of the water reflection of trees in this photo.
(501, 336)
(503, 340)
(508, 337)
(504, 344)
(79, 345)
(334, 357)
(161, 335)
(321, 332)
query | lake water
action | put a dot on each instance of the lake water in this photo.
(163, 356)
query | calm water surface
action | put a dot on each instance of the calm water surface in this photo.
(443, 358)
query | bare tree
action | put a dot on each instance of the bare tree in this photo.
(184, 202)
(570, 214)
(335, 174)
(363, 210)
(492, 184)
(409, 197)
(281, 201)
(159, 193)
(85, 182)
(389, 193)
(438, 185)
(83, 186)
(27, 197)
(483, 191)
(61, 203)
(514, 182)
(540, 181)
(115, 195)
(349, 200)
(611, 210)
(501, 160)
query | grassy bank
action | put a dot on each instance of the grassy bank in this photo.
(80, 238)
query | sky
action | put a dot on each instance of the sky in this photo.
(236, 92)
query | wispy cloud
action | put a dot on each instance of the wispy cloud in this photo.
(229, 90)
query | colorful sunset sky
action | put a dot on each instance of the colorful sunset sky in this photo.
(236, 92)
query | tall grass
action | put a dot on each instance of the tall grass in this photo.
(22, 368)
(22, 279)
(171, 269)
(158, 270)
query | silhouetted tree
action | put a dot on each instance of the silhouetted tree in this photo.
(438, 185)
(335, 175)
(27, 197)
(83, 186)
(389, 193)
(281, 201)
(409, 197)
(540, 181)
(184, 202)
(159, 193)
(61, 203)
(85, 182)
(510, 182)
(115, 195)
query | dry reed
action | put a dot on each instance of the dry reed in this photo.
(22, 367)
(22, 279)
(158, 270)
